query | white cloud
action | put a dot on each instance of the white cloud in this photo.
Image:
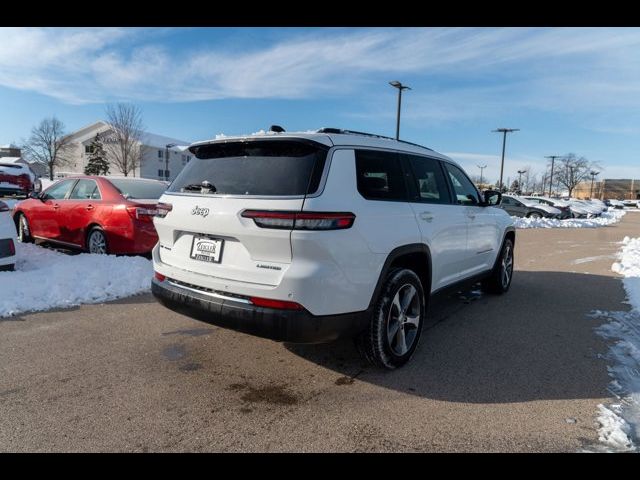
(555, 69)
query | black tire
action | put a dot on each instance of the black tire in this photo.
(92, 247)
(495, 283)
(23, 228)
(378, 344)
(534, 215)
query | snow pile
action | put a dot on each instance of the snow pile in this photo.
(620, 422)
(607, 218)
(46, 279)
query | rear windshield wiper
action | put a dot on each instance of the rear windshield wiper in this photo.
(204, 187)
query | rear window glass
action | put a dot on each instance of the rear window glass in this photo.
(9, 165)
(139, 189)
(380, 175)
(263, 168)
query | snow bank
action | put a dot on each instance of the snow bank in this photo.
(620, 422)
(46, 279)
(607, 218)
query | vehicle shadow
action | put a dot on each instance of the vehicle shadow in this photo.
(534, 343)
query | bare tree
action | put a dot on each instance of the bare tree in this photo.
(124, 150)
(571, 170)
(48, 144)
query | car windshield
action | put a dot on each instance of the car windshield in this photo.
(139, 189)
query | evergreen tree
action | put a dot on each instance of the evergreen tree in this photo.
(97, 164)
(515, 187)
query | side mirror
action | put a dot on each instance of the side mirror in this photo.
(37, 186)
(34, 194)
(492, 198)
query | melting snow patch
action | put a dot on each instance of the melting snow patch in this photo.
(46, 279)
(620, 422)
(607, 218)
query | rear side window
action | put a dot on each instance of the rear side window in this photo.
(139, 189)
(380, 175)
(430, 181)
(85, 190)
(259, 167)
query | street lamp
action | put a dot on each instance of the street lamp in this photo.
(166, 159)
(504, 141)
(593, 174)
(553, 159)
(400, 87)
(481, 167)
(520, 172)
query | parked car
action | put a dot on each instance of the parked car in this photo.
(16, 179)
(565, 209)
(521, 207)
(582, 205)
(617, 204)
(93, 213)
(309, 237)
(7, 234)
(630, 203)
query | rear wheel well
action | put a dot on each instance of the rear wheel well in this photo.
(419, 263)
(90, 227)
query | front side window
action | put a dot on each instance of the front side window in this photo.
(85, 190)
(464, 190)
(431, 182)
(58, 191)
(380, 176)
(257, 167)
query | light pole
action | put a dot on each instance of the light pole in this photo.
(504, 141)
(593, 174)
(481, 167)
(520, 172)
(400, 87)
(166, 159)
(553, 159)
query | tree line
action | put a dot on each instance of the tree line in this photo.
(51, 146)
(568, 172)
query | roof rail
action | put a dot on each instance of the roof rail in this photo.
(353, 132)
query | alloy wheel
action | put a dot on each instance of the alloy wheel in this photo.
(403, 319)
(97, 242)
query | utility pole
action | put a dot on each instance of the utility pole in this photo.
(400, 87)
(520, 172)
(504, 132)
(481, 167)
(593, 174)
(553, 159)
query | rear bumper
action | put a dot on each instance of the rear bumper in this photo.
(295, 326)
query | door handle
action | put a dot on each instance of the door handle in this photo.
(426, 216)
(89, 207)
(56, 206)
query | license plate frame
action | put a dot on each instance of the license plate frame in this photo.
(199, 251)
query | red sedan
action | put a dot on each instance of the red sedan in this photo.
(96, 214)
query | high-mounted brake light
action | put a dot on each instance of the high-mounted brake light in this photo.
(300, 220)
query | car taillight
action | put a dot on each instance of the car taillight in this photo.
(162, 209)
(159, 276)
(4, 207)
(142, 213)
(300, 220)
(279, 304)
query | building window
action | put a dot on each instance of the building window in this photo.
(161, 173)
(160, 154)
(87, 149)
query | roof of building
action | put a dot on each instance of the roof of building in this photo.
(151, 139)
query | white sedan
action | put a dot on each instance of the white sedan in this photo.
(7, 236)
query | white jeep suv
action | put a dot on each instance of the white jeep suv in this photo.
(307, 237)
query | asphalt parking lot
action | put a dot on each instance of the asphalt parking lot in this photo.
(520, 372)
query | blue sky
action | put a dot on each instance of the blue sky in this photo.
(567, 89)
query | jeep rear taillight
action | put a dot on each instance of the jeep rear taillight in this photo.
(300, 220)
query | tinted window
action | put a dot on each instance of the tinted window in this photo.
(506, 201)
(465, 192)
(85, 190)
(139, 189)
(58, 191)
(380, 175)
(264, 168)
(431, 183)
